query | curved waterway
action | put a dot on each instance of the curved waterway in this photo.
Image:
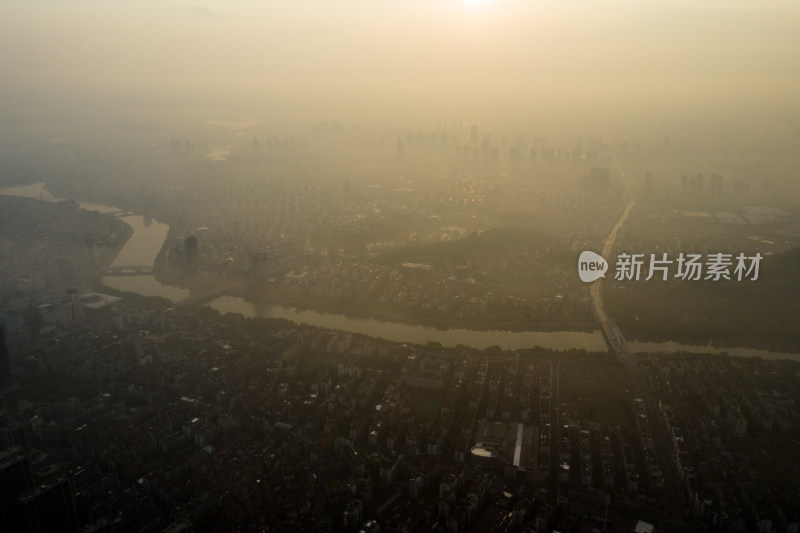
(414, 333)
(479, 339)
(140, 249)
(149, 235)
(675, 347)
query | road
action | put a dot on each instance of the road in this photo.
(555, 427)
(608, 246)
(672, 485)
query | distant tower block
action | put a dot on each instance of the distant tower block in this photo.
(473, 136)
(49, 507)
(15, 478)
(260, 261)
(5, 360)
(190, 249)
(90, 250)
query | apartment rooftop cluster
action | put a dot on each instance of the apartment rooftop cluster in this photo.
(724, 417)
(185, 418)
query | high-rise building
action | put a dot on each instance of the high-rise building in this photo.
(15, 478)
(70, 310)
(15, 434)
(191, 252)
(5, 360)
(49, 507)
(353, 515)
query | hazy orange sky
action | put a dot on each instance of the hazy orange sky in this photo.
(380, 58)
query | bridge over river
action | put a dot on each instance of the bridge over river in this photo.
(130, 270)
(200, 297)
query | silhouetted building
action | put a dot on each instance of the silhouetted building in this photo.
(70, 310)
(353, 515)
(260, 261)
(191, 252)
(716, 185)
(769, 191)
(49, 507)
(5, 360)
(15, 478)
(90, 251)
(16, 434)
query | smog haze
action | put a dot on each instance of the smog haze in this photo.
(653, 68)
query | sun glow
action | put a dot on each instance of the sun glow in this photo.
(476, 4)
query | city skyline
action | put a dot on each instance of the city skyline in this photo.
(376, 266)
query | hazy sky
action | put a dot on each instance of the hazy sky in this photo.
(436, 59)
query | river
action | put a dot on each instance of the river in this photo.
(414, 333)
(141, 249)
(149, 235)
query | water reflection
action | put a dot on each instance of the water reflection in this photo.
(674, 347)
(395, 331)
(146, 285)
(141, 248)
(149, 235)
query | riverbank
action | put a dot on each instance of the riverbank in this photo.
(264, 299)
(262, 294)
(414, 333)
(110, 255)
(408, 318)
